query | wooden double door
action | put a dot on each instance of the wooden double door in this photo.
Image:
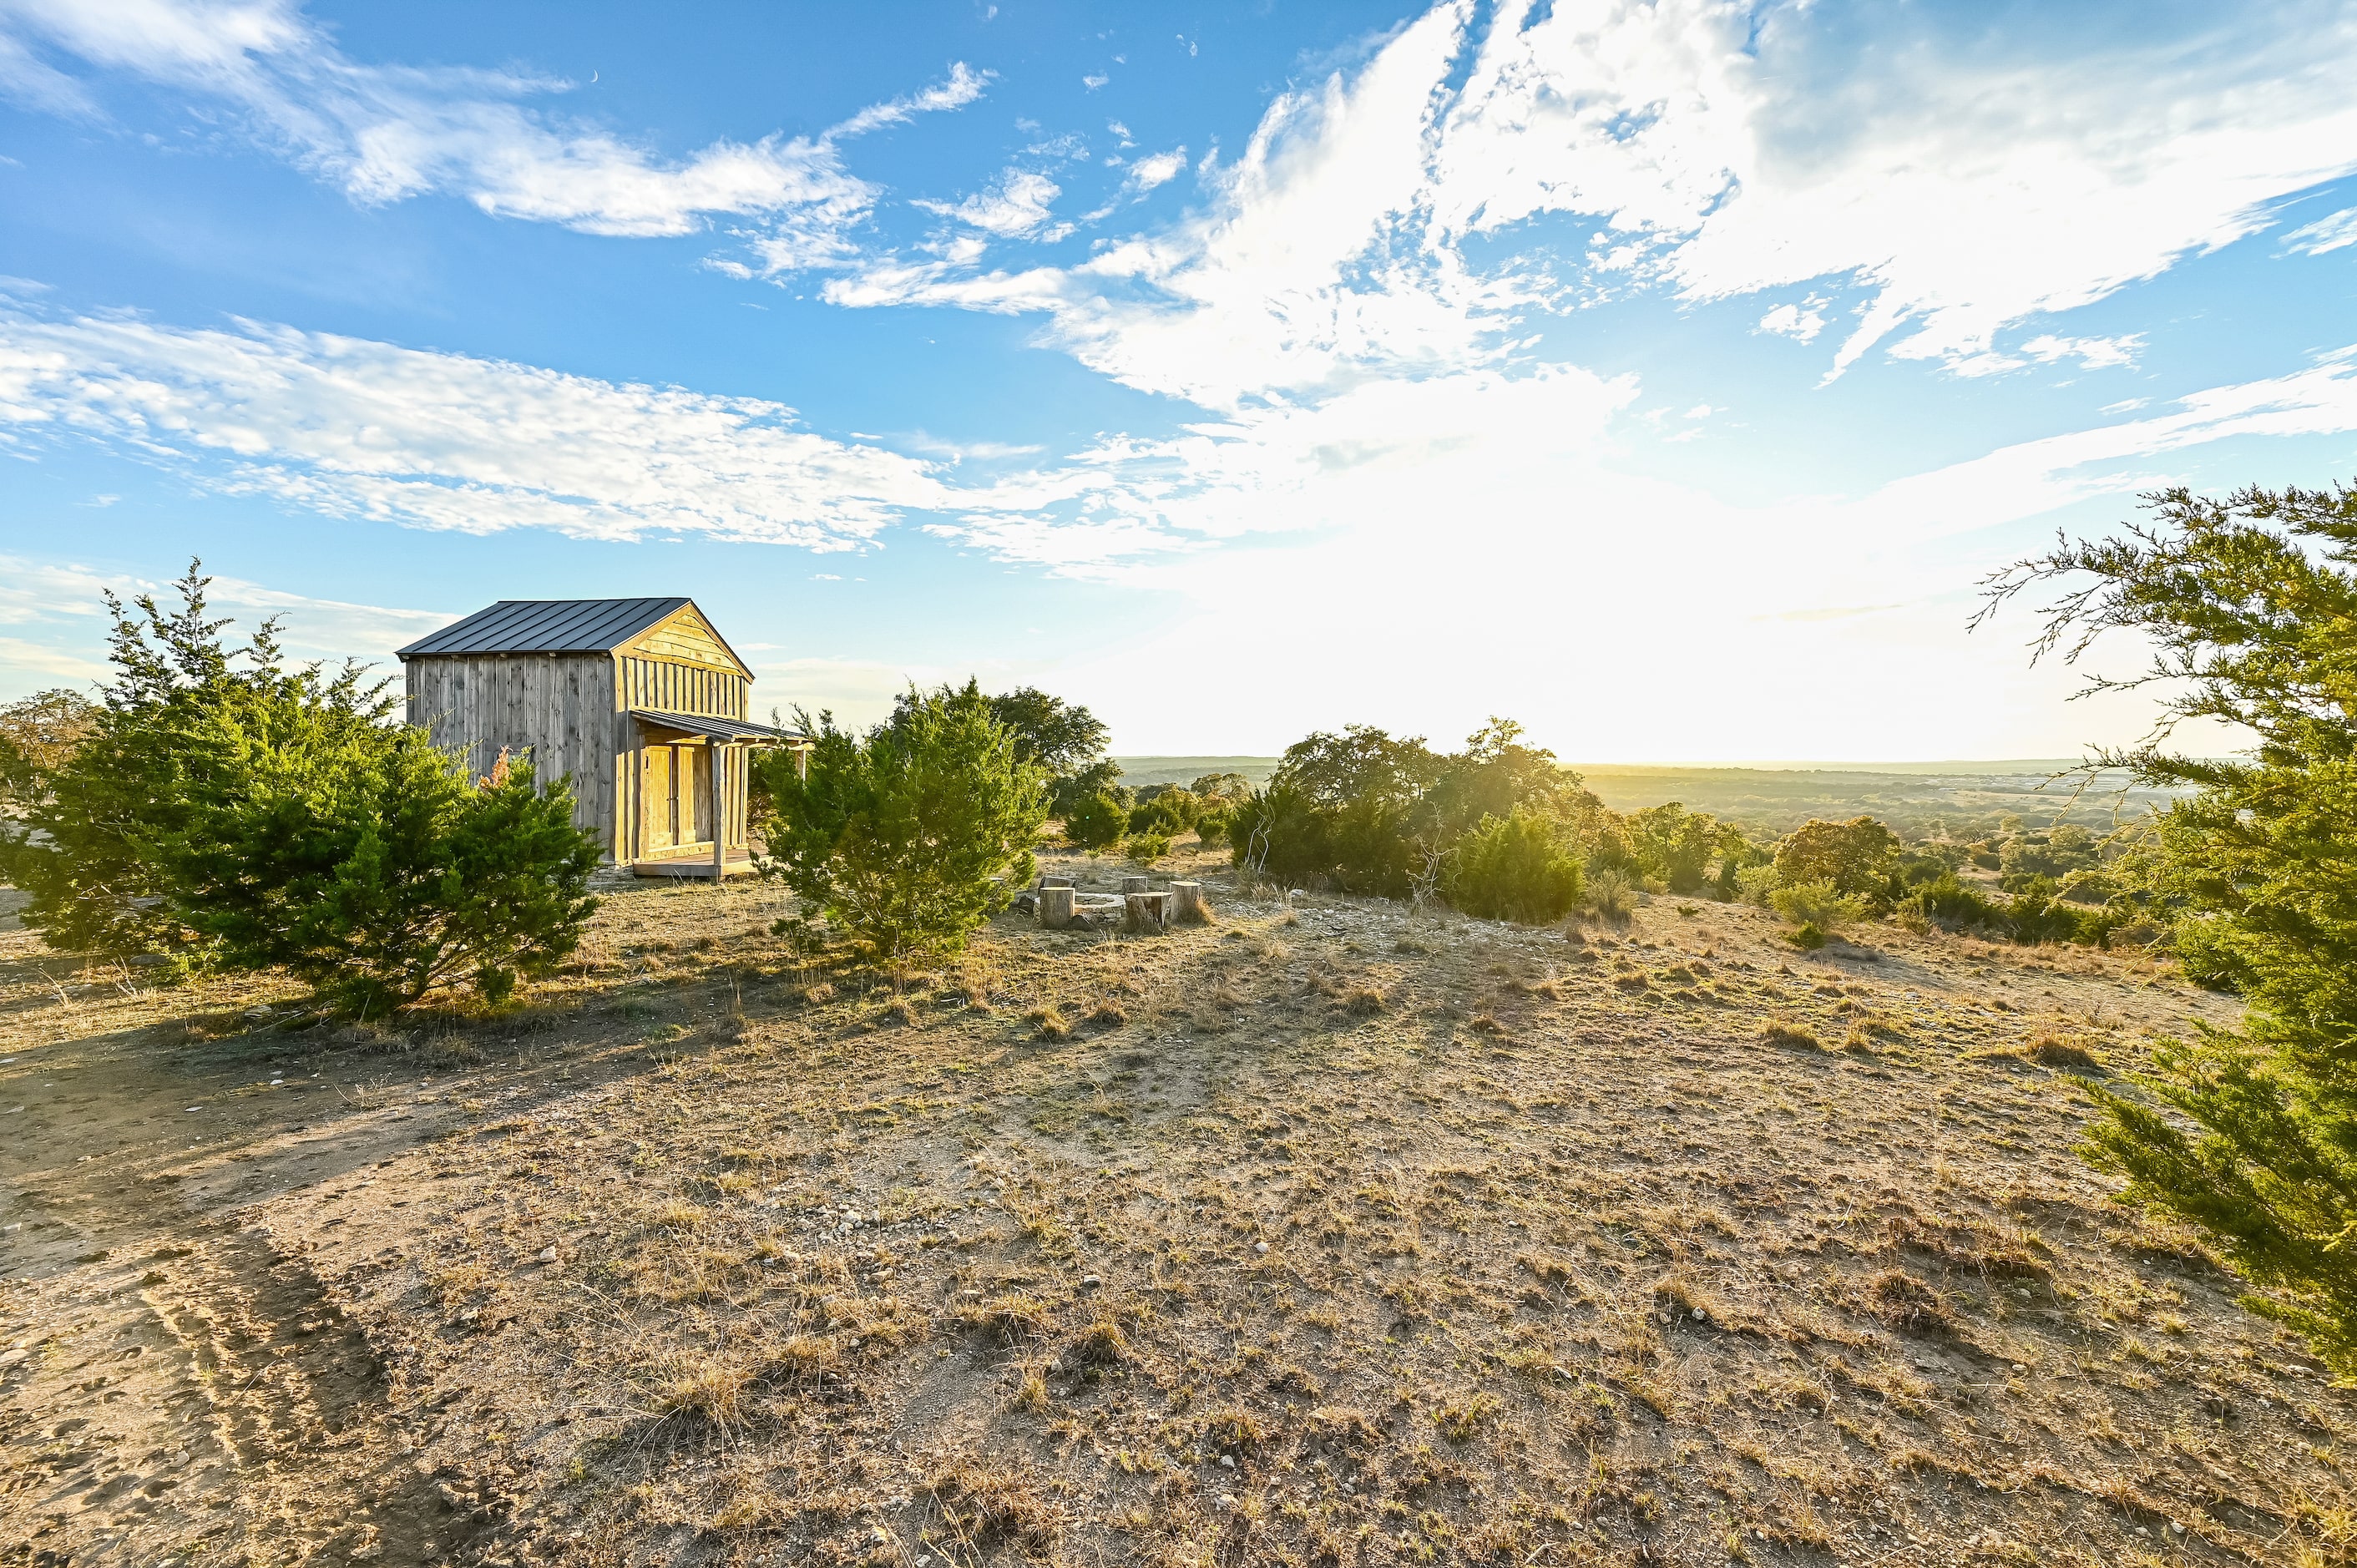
(676, 798)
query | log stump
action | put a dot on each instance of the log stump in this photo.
(1056, 906)
(1186, 901)
(1150, 913)
(1136, 884)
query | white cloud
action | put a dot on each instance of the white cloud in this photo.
(965, 85)
(2094, 353)
(1157, 168)
(359, 429)
(1790, 320)
(2034, 476)
(2327, 233)
(385, 134)
(1959, 180)
(36, 593)
(46, 663)
(1017, 205)
(1967, 178)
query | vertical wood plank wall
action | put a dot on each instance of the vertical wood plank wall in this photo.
(570, 711)
(555, 708)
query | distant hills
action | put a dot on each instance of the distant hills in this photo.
(1966, 799)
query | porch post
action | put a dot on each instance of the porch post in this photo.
(720, 814)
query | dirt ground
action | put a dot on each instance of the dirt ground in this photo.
(1326, 1233)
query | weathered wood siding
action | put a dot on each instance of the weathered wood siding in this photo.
(683, 637)
(670, 687)
(560, 708)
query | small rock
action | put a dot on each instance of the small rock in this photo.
(1090, 1282)
(10, 1357)
(546, 1255)
(1261, 1248)
(1229, 1460)
(2019, 1368)
(1700, 1315)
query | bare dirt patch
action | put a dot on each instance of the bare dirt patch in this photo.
(1324, 1232)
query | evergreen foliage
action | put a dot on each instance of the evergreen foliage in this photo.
(1818, 906)
(2251, 606)
(1064, 740)
(1066, 793)
(365, 862)
(1342, 809)
(910, 836)
(1166, 812)
(1365, 811)
(1096, 821)
(226, 810)
(1676, 846)
(1515, 868)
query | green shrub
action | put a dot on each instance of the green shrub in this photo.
(1168, 810)
(225, 810)
(1808, 936)
(1753, 883)
(914, 834)
(1147, 848)
(1340, 809)
(1066, 793)
(2038, 914)
(371, 866)
(1819, 905)
(1367, 812)
(1515, 868)
(1855, 857)
(1953, 902)
(1096, 821)
(1674, 845)
(1211, 828)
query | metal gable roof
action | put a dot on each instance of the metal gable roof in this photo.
(548, 625)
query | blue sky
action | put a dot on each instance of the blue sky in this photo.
(1664, 376)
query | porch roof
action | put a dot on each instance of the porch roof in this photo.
(735, 732)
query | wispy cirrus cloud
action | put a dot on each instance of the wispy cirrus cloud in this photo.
(1939, 183)
(54, 602)
(387, 132)
(353, 428)
(2331, 233)
(1019, 202)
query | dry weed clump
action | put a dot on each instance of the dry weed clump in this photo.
(981, 1509)
(1906, 1303)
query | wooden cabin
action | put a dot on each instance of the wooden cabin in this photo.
(642, 701)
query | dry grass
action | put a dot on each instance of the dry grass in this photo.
(1397, 1240)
